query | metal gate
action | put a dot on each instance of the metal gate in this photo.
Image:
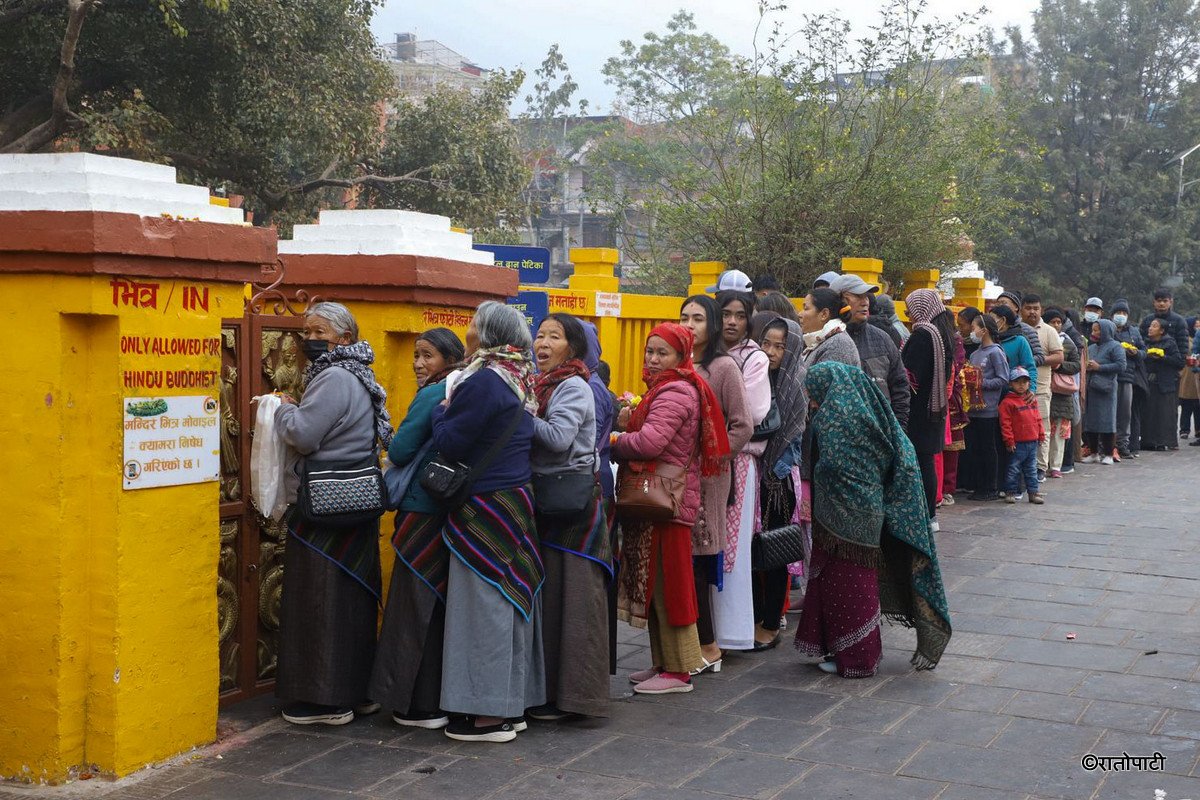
(260, 353)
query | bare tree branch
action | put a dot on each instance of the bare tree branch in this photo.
(61, 116)
(378, 181)
(12, 11)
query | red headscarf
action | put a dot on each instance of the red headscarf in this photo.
(714, 441)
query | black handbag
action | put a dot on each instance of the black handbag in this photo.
(770, 424)
(564, 493)
(777, 548)
(338, 494)
(449, 483)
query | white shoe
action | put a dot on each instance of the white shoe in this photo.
(828, 667)
(1092, 459)
(934, 527)
(1106, 460)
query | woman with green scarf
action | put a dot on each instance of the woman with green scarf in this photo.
(873, 555)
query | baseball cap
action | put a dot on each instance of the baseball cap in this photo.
(852, 284)
(1018, 372)
(733, 279)
(827, 277)
(1094, 301)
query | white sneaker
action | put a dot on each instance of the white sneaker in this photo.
(1106, 460)
(933, 526)
(1092, 459)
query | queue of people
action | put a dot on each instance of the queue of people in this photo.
(771, 450)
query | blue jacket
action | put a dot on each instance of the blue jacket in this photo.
(414, 431)
(1019, 354)
(480, 410)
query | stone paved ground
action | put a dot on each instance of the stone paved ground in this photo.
(1113, 557)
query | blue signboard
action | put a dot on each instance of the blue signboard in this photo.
(534, 305)
(533, 263)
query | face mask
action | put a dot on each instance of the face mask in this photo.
(1120, 319)
(314, 348)
(1095, 337)
(975, 337)
(1090, 316)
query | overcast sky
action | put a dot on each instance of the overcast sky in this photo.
(517, 33)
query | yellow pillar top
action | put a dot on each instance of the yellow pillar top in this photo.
(921, 279)
(595, 269)
(704, 274)
(869, 269)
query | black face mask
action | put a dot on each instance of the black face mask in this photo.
(314, 348)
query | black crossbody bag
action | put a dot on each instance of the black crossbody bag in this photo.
(450, 482)
(342, 494)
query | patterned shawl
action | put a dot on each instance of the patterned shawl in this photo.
(714, 440)
(545, 383)
(512, 364)
(787, 389)
(923, 305)
(867, 494)
(357, 359)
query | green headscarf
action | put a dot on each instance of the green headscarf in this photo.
(867, 494)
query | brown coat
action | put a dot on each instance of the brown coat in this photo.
(1189, 385)
(725, 378)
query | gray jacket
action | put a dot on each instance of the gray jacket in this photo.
(838, 347)
(881, 361)
(565, 440)
(334, 422)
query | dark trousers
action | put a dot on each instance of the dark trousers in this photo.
(1022, 462)
(982, 437)
(701, 569)
(1189, 410)
(770, 588)
(1100, 444)
(928, 481)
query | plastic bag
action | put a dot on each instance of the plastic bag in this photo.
(268, 460)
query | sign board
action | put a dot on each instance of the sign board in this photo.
(608, 304)
(534, 305)
(532, 263)
(171, 441)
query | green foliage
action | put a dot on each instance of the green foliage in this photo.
(256, 96)
(772, 163)
(462, 151)
(1107, 96)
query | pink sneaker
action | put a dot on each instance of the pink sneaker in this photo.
(662, 684)
(643, 675)
(1054, 473)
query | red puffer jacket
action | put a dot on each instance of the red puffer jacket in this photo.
(1020, 420)
(670, 434)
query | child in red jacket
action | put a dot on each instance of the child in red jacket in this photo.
(1021, 427)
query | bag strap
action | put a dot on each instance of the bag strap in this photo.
(496, 447)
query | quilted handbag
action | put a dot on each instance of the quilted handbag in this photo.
(339, 494)
(449, 483)
(777, 547)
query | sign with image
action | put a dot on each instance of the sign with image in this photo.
(170, 441)
(531, 263)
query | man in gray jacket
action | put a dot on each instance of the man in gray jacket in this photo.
(1013, 301)
(879, 355)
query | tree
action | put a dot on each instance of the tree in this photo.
(1107, 93)
(789, 160)
(256, 96)
(465, 151)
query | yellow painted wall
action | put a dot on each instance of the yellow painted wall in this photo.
(107, 602)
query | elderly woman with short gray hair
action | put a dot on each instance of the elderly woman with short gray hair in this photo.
(492, 666)
(332, 583)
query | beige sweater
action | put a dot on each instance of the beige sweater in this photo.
(725, 378)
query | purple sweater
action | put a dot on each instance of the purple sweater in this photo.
(993, 368)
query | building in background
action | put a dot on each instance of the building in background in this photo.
(420, 65)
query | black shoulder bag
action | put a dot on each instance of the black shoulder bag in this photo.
(450, 483)
(342, 494)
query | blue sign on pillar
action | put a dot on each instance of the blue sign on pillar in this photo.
(534, 305)
(532, 263)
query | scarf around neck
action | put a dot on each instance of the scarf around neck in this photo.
(811, 340)
(545, 383)
(714, 440)
(357, 359)
(787, 390)
(512, 364)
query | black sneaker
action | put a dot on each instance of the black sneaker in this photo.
(984, 496)
(464, 730)
(430, 720)
(314, 714)
(548, 713)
